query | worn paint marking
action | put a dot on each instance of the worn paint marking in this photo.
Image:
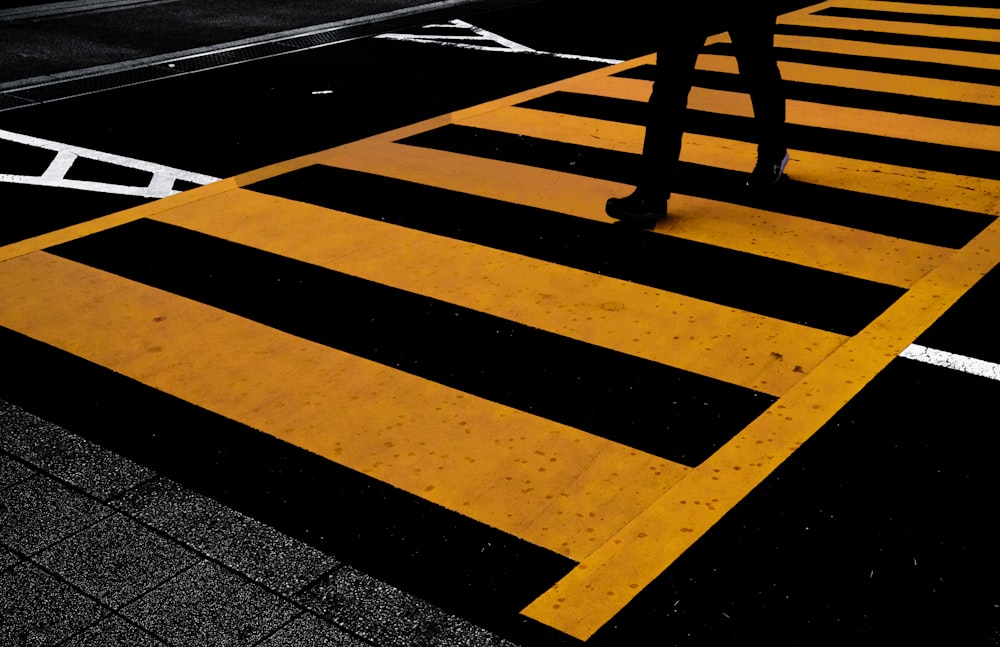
(954, 361)
(458, 33)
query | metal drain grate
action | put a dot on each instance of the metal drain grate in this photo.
(89, 85)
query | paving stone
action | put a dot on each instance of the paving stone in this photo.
(117, 560)
(36, 609)
(114, 631)
(11, 471)
(7, 559)
(39, 512)
(262, 553)
(209, 606)
(389, 617)
(308, 630)
(68, 456)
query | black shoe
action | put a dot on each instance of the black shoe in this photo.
(768, 170)
(637, 208)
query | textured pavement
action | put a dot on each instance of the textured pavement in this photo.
(96, 550)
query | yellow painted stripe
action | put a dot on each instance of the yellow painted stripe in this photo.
(920, 8)
(693, 335)
(889, 180)
(615, 87)
(547, 483)
(891, 27)
(898, 52)
(606, 581)
(888, 124)
(859, 120)
(916, 86)
(823, 246)
(922, 129)
(950, 190)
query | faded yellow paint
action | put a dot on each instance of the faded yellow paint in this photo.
(738, 347)
(547, 483)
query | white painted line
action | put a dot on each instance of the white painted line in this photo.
(955, 362)
(83, 185)
(482, 40)
(160, 185)
(60, 166)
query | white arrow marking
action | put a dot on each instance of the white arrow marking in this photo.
(160, 185)
(482, 40)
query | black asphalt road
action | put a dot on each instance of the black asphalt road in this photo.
(879, 530)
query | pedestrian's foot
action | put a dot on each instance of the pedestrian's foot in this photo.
(769, 169)
(637, 208)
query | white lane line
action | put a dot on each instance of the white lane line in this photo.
(161, 183)
(953, 361)
(468, 36)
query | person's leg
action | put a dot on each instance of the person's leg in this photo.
(677, 52)
(675, 61)
(753, 42)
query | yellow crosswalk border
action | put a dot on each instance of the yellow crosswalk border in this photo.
(606, 581)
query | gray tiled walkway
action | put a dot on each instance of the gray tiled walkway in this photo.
(96, 551)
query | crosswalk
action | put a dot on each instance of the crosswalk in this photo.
(446, 308)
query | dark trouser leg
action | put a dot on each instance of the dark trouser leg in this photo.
(675, 60)
(753, 41)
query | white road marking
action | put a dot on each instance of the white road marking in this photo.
(953, 361)
(468, 36)
(161, 183)
(59, 167)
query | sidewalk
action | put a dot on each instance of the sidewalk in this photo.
(97, 550)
